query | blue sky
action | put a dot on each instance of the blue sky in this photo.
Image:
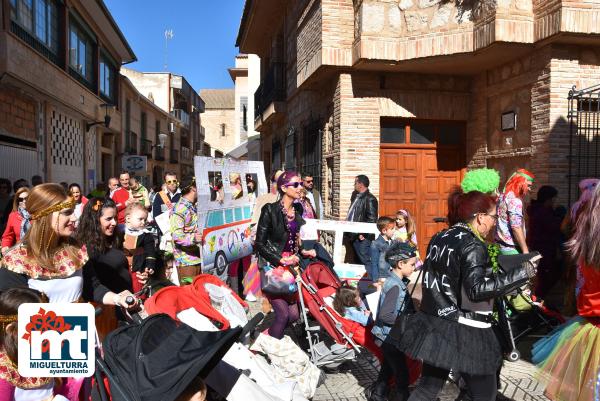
(204, 33)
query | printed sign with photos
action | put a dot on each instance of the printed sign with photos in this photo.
(227, 192)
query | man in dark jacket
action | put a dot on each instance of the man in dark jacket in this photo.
(363, 208)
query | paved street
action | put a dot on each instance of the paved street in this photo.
(351, 380)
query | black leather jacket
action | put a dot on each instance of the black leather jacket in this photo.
(272, 233)
(365, 211)
(458, 265)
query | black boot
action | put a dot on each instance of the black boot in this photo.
(377, 392)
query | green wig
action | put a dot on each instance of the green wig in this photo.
(484, 180)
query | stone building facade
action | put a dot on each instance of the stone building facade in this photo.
(229, 119)
(143, 123)
(414, 92)
(174, 95)
(59, 68)
(219, 120)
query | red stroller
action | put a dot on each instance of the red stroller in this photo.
(316, 283)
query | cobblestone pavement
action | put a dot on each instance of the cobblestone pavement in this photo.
(349, 382)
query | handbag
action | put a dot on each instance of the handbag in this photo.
(403, 318)
(277, 281)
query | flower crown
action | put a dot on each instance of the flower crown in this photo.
(70, 203)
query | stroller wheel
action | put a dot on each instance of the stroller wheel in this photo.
(513, 356)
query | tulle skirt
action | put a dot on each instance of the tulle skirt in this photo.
(569, 361)
(251, 280)
(450, 345)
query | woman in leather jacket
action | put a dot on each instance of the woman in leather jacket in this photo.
(453, 329)
(278, 243)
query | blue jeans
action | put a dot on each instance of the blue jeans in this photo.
(363, 252)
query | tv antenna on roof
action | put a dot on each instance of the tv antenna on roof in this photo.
(168, 36)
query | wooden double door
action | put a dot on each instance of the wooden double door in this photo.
(421, 162)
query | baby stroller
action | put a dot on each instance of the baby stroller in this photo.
(210, 305)
(518, 313)
(158, 358)
(316, 283)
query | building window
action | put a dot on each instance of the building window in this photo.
(107, 78)
(143, 119)
(127, 124)
(37, 23)
(80, 52)
(244, 116)
(222, 129)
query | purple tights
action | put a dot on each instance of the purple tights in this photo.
(285, 313)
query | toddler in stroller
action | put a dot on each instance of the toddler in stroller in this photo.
(318, 285)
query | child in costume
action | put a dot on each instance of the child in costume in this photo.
(138, 245)
(13, 386)
(570, 355)
(347, 303)
(394, 299)
(406, 230)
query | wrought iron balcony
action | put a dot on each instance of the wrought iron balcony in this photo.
(159, 153)
(146, 148)
(131, 143)
(181, 115)
(272, 89)
(174, 156)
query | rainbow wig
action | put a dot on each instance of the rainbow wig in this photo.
(517, 182)
(484, 180)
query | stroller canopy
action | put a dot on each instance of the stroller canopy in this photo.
(157, 359)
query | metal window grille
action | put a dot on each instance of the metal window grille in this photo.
(312, 137)
(584, 136)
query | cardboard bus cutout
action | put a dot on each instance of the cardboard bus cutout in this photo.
(227, 192)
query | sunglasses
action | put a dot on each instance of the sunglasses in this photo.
(293, 184)
(308, 181)
(22, 199)
(172, 182)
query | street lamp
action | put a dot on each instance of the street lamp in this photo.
(162, 138)
(107, 112)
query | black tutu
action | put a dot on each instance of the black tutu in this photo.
(450, 345)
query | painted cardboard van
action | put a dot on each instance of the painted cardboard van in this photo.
(227, 192)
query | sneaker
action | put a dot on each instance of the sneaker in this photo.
(250, 297)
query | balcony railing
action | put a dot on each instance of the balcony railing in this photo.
(131, 146)
(272, 89)
(174, 156)
(146, 148)
(181, 115)
(186, 154)
(159, 153)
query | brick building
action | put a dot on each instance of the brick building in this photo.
(143, 123)
(59, 68)
(414, 92)
(174, 95)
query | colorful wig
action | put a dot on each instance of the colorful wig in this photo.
(586, 187)
(517, 182)
(484, 180)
